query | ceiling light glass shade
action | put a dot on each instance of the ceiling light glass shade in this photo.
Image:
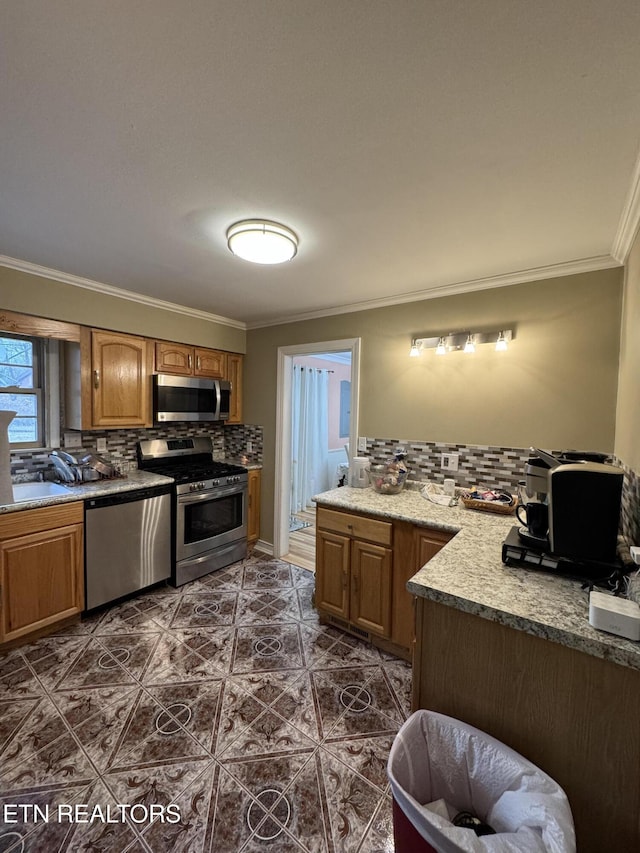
(441, 348)
(501, 343)
(415, 350)
(470, 346)
(262, 241)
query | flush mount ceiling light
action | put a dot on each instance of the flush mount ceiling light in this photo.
(262, 241)
(466, 341)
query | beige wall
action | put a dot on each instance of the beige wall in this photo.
(627, 439)
(555, 387)
(44, 297)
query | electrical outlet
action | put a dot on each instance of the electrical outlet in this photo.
(450, 461)
(101, 445)
(362, 444)
(249, 446)
(72, 439)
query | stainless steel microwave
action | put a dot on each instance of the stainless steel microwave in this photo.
(185, 398)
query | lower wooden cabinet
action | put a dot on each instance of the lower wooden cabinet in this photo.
(41, 569)
(354, 569)
(253, 508)
(362, 568)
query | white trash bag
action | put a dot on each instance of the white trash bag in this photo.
(435, 757)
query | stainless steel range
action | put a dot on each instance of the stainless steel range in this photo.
(210, 512)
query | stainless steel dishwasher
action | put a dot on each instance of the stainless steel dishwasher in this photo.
(128, 543)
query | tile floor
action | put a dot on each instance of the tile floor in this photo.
(225, 699)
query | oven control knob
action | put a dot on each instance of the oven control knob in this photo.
(215, 482)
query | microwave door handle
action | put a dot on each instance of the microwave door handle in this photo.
(218, 393)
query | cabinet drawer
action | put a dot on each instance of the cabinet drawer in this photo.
(358, 526)
(27, 521)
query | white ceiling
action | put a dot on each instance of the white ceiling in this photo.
(418, 147)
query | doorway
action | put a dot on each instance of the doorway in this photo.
(334, 365)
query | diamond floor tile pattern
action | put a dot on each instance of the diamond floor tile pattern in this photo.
(224, 700)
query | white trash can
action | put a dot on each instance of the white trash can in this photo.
(439, 767)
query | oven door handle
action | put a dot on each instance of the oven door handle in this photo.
(212, 494)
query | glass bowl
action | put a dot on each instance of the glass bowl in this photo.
(386, 482)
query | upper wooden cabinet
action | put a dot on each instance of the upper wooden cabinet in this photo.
(108, 381)
(184, 360)
(234, 375)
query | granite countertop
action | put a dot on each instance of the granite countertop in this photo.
(468, 574)
(97, 489)
(135, 479)
(249, 464)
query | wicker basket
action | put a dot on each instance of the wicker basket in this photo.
(490, 506)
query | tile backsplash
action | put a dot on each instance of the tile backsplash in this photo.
(630, 520)
(493, 467)
(228, 442)
(479, 465)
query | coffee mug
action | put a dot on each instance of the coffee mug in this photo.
(536, 517)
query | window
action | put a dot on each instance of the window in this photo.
(21, 379)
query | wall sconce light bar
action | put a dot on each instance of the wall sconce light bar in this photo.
(466, 341)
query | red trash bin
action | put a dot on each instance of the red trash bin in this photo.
(439, 767)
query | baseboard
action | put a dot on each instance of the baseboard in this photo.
(264, 547)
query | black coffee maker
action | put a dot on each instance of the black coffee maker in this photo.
(570, 505)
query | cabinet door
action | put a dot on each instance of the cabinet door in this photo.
(414, 546)
(174, 358)
(234, 375)
(42, 580)
(332, 573)
(370, 605)
(210, 363)
(428, 543)
(253, 513)
(404, 567)
(121, 384)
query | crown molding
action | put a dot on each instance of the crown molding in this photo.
(584, 265)
(109, 290)
(629, 219)
(599, 262)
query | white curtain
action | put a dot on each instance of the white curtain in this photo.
(310, 435)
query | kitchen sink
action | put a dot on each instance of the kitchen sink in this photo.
(34, 491)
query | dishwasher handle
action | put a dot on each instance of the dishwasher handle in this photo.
(128, 497)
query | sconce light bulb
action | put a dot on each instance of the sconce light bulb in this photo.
(415, 350)
(441, 348)
(470, 346)
(501, 343)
